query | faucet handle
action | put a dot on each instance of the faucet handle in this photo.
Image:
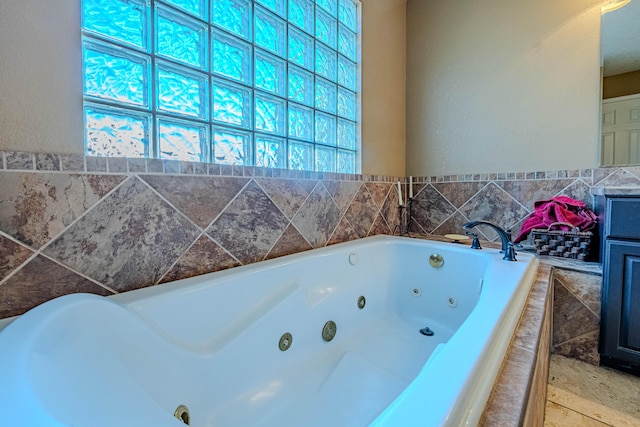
(475, 244)
(510, 253)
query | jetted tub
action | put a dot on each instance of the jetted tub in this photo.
(253, 346)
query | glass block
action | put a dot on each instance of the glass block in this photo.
(269, 114)
(326, 96)
(326, 28)
(325, 129)
(234, 16)
(182, 140)
(116, 133)
(270, 73)
(347, 14)
(231, 147)
(347, 43)
(271, 152)
(346, 162)
(347, 76)
(181, 91)
(346, 104)
(326, 62)
(300, 156)
(231, 103)
(301, 14)
(301, 49)
(270, 32)
(124, 20)
(231, 57)
(346, 134)
(181, 38)
(325, 159)
(300, 85)
(195, 7)
(116, 75)
(277, 6)
(329, 5)
(300, 122)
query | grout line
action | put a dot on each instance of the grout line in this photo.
(575, 412)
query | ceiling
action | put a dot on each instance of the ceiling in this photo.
(620, 39)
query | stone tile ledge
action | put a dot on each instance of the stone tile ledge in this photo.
(20, 161)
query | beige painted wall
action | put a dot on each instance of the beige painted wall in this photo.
(621, 85)
(383, 86)
(502, 85)
(41, 80)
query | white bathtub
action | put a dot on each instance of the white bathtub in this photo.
(212, 343)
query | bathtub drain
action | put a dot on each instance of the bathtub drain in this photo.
(427, 331)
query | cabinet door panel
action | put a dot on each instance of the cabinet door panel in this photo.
(621, 301)
(630, 321)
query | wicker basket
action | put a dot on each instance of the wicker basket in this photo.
(574, 244)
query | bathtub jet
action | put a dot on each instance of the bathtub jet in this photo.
(322, 338)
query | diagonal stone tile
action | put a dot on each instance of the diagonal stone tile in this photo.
(127, 241)
(34, 208)
(430, 209)
(459, 193)
(344, 233)
(583, 348)
(287, 194)
(528, 192)
(417, 188)
(39, 281)
(579, 191)
(249, 226)
(11, 256)
(362, 212)
(390, 208)
(200, 198)
(634, 170)
(379, 227)
(601, 173)
(342, 192)
(379, 191)
(573, 318)
(453, 225)
(620, 178)
(290, 242)
(495, 205)
(415, 228)
(317, 217)
(205, 256)
(585, 287)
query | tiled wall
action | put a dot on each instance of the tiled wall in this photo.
(75, 224)
(444, 204)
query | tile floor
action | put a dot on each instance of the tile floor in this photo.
(583, 395)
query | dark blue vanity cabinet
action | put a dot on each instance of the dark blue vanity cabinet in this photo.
(620, 320)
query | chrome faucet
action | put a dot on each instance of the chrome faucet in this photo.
(505, 236)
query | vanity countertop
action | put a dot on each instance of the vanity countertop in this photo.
(615, 191)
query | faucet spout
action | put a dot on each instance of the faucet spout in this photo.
(505, 237)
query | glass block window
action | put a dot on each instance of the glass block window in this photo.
(269, 83)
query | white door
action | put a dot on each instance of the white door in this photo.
(621, 131)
